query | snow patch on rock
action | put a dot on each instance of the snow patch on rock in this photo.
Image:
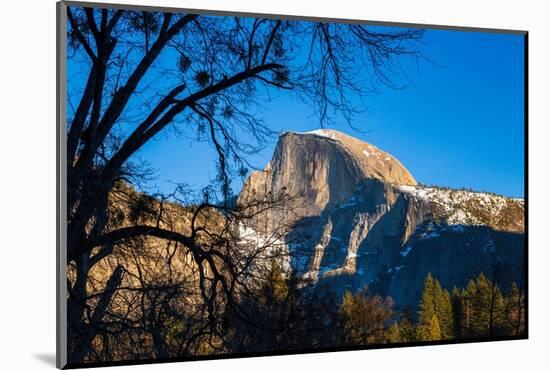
(461, 207)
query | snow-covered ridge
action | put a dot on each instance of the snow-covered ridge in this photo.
(463, 206)
(435, 193)
(321, 132)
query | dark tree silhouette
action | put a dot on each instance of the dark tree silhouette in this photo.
(202, 77)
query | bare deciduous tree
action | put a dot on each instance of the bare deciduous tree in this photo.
(203, 77)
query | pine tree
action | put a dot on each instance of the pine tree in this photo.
(457, 307)
(443, 310)
(393, 334)
(275, 287)
(347, 303)
(426, 312)
(435, 302)
(515, 311)
(434, 329)
(489, 308)
(407, 329)
(468, 297)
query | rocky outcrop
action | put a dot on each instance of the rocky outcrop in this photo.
(359, 218)
(319, 170)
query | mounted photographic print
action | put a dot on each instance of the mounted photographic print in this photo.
(234, 185)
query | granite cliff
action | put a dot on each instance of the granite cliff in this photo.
(359, 218)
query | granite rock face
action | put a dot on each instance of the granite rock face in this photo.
(322, 169)
(359, 218)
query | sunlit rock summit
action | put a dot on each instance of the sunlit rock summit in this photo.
(358, 218)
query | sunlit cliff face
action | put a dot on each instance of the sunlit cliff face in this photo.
(361, 219)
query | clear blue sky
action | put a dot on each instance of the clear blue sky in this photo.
(459, 123)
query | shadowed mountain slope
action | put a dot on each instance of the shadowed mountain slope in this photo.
(359, 218)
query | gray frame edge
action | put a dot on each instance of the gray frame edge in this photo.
(290, 17)
(61, 191)
(61, 134)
